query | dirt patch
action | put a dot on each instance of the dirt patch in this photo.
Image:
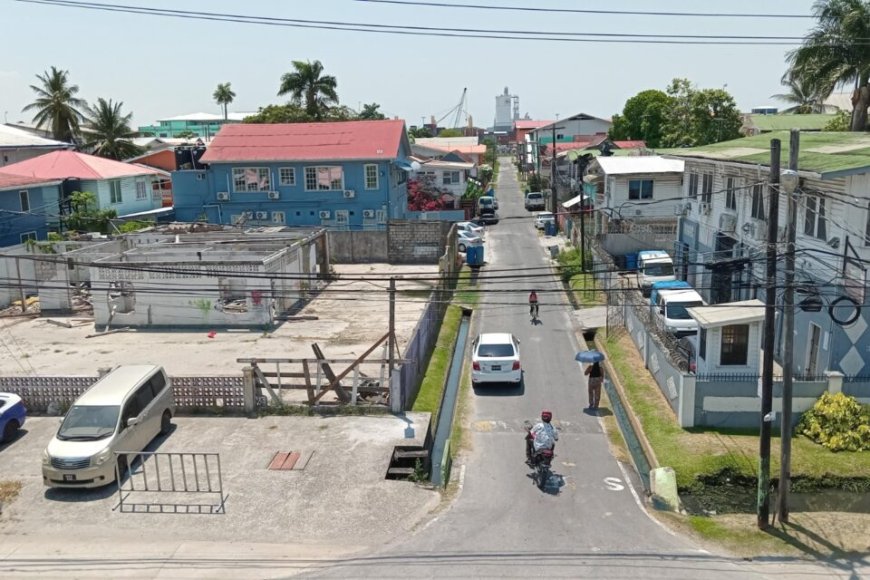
(9, 490)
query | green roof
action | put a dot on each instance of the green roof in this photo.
(830, 154)
(815, 122)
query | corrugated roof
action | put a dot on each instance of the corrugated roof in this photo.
(634, 144)
(307, 141)
(10, 181)
(14, 137)
(742, 312)
(207, 117)
(829, 154)
(525, 124)
(448, 142)
(639, 164)
(74, 165)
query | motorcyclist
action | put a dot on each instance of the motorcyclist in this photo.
(533, 304)
(542, 436)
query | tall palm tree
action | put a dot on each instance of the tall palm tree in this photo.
(223, 95)
(56, 104)
(837, 49)
(806, 95)
(110, 132)
(309, 86)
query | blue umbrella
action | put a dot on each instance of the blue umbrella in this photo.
(589, 356)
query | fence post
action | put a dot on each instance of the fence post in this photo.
(646, 332)
(397, 400)
(686, 403)
(835, 381)
(249, 389)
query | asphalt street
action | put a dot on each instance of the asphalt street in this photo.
(590, 521)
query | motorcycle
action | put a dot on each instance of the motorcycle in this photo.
(541, 461)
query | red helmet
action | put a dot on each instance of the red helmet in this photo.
(546, 416)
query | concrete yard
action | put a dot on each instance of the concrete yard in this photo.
(352, 315)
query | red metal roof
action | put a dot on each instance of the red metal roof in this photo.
(524, 124)
(636, 144)
(10, 180)
(74, 165)
(307, 141)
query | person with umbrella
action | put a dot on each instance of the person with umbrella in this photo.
(595, 374)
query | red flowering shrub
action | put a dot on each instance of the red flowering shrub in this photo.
(423, 197)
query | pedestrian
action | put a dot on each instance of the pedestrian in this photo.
(596, 377)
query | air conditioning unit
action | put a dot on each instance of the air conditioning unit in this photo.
(223, 196)
(349, 194)
(727, 223)
(274, 195)
(369, 213)
(325, 214)
(262, 215)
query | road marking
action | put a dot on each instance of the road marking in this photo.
(613, 484)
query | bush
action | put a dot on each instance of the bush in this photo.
(569, 264)
(837, 422)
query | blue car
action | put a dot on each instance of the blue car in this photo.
(12, 415)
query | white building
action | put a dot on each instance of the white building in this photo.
(19, 145)
(640, 187)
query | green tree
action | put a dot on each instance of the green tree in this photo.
(676, 131)
(186, 134)
(371, 111)
(450, 133)
(837, 51)
(643, 118)
(289, 113)
(223, 95)
(842, 121)
(805, 94)
(110, 132)
(419, 133)
(699, 117)
(56, 104)
(85, 217)
(309, 87)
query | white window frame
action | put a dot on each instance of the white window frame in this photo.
(310, 176)
(693, 185)
(342, 218)
(815, 210)
(381, 216)
(24, 200)
(757, 193)
(27, 236)
(141, 190)
(287, 176)
(241, 183)
(366, 169)
(707, 188)
(450, 181)
(279, 214)
(731, 193)
(640, 191)
(116, 192)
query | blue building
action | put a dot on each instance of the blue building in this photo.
(348, 175)
(25, 203)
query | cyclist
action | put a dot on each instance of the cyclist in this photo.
(533, 305)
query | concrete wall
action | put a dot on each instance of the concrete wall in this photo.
(622, 244)
(417, 242)
(358, 246)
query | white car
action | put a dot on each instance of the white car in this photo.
(470, 227)
(495, 358)
(542, 218)
(465, 239)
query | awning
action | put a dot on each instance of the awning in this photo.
(151, 213)
(574, 201)
(404, 164)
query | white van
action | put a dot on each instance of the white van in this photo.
(653, 266)
(672, 308)
(122, 412)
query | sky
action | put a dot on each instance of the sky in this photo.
(161, 67)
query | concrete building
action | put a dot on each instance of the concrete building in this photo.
(639, 188)
(468, 148)
(507, 110)
(205, 125)
(579, 127)
(19, 145)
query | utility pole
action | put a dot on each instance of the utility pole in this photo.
(763, 503)
(553, 177)
(788, 335)
(391, 356)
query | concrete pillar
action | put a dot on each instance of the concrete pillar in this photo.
(646, 348)
(835, 381)
(248, 386)
(397, 402)
(686, 401)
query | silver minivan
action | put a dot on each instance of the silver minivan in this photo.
(122, 412)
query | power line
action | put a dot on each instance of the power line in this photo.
(584, 10)
(414, 30)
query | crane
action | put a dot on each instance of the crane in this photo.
(458, 110)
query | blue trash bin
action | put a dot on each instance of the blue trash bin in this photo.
(474, 256)
(631, 261)
(550, 228)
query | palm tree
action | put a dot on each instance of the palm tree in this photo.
(223, 95)
(56, 104)
(110, 131)
(837, 50)
(807, 95)
(308, 85)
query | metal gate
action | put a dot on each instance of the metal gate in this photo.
(159, 482)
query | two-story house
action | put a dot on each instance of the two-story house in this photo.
(25, 204)
(127, 188)
(724, 231)
(348, 175)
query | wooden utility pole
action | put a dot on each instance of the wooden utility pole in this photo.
(391, 341)
(763, 504)
(21, 292)
(553, 196)
(788, 339)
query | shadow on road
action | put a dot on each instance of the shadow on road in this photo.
(501, 390)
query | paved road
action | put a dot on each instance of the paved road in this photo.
(589, 523)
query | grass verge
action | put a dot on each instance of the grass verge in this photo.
(585, 290)
(466, 288)
(432, 386)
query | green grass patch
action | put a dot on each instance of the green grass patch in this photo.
(429, 397)
(707, 452)
(467, 290)
(585, 289)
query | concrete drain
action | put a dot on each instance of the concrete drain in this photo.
(409, 463)
(290, 460)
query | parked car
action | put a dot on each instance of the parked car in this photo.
(465, 239)
(122, 412)
(542, 218)
(12, 416)
(534, 201)
(488, 200)
(487, 216)
(472, 227)
(495, 358)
